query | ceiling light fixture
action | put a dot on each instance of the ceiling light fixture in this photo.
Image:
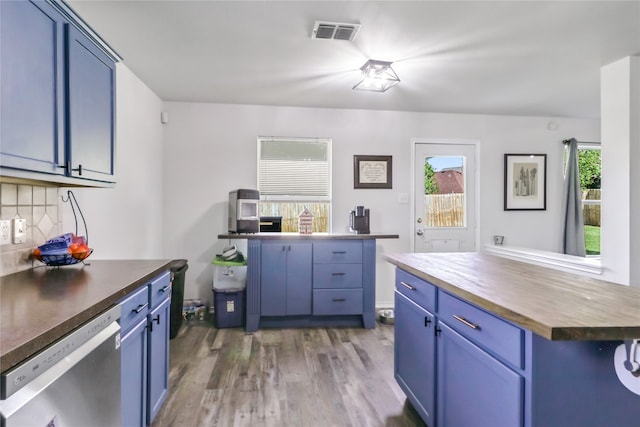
(377, 76)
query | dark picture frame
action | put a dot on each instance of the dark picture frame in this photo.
(372, 171)
(525, 182)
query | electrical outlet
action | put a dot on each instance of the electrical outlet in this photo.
(5, 232)
(19, 230)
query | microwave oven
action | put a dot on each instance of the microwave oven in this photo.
(244, 212)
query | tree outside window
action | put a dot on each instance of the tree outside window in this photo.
(590, 179)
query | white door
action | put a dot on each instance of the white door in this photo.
(444, 217)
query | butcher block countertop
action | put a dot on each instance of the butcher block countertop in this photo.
(40, 305)
(315, 236)
(553, 304)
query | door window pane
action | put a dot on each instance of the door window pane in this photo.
(444, 192)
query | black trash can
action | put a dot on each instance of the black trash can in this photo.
(178, 268)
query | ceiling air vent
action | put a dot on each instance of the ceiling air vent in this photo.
(334, 31)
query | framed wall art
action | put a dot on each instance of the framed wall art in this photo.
(525, 182)
(372, 171)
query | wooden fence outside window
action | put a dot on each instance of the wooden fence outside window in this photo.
(289, 212)
(444, 210)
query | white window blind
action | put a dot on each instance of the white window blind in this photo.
(294, 168)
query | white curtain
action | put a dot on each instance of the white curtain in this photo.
(573, 240)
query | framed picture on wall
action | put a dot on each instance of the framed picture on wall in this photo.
(372, 171)
(525, 182)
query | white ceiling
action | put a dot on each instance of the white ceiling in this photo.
(494, 57)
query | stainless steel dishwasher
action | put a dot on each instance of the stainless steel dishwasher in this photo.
(73, 382)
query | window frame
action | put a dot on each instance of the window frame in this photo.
(290, 199)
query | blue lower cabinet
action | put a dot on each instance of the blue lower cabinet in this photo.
(415, 355)
(134, 375)
(308, 282)
(474, 388)
(285, 279)
(145, 351)
(158, 358)
(482, 371)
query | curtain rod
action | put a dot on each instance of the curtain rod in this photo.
(566, 141)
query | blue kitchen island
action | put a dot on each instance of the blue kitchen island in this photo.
(306, 280)
(485, 341)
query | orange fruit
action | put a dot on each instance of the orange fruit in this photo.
(81, 251)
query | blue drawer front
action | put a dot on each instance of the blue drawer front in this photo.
(337, 276)
(337, 251)
(417, 290)
(159, 289)
(134, 308)
(337, 301)
(495, 335)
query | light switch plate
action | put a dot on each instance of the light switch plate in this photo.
(19, 230)
(5, 232)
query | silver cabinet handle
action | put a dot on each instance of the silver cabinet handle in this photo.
(408, 286)
(466, 322)
(141, 307)
(166, 288)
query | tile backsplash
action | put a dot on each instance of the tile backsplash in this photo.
(41, 207)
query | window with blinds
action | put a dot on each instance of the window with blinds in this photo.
(294, 173)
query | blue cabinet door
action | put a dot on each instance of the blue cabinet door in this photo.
(91, 109)
(285, 278)
(273, 279)
(474, 388)
(31, 87)
(415, 355)
(158, 358)
(134, 375)
(299, 278)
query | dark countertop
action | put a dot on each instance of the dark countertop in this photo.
(314, 236)
(41, 305)
(551, 303)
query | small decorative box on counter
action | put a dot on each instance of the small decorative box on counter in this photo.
(305, 222)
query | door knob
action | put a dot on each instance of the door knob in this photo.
(419, 220)
(419, 232)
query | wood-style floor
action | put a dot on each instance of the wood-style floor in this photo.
(320, 377)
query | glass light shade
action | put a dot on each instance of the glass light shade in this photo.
(377, 76)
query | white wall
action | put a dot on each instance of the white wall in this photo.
(127, 221)
(620, 96)
(210, 149)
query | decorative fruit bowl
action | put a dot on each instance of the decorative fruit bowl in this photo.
(66, 249)
(63, 259)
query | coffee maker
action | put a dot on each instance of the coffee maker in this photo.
(359, 220)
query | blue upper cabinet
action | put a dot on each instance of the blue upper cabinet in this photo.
(91, 109)
(57, 105)
(32, 91)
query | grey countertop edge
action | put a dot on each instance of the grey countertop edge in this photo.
(550, 332)
(15, 356)
(314, 236)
